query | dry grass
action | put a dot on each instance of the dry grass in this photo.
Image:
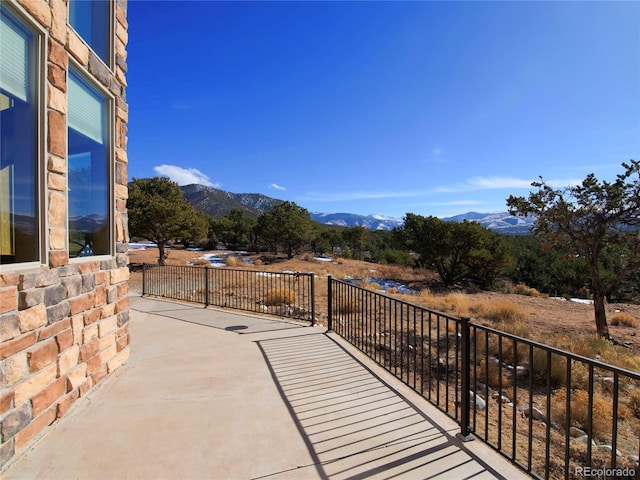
(500, 311)
(522, 289)
(280, 296)
(554, 369)
(623, 318)
(347, 306)
(201, 262)
(232, 261)
(491, 372)
(602, 416)
(633, 402)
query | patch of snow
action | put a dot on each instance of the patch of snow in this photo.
(141, 245)
(582, 300)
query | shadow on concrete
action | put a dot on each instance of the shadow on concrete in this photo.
(215, 317)
(354, 424)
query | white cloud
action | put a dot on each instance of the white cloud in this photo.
(571, 182)
(469, 185)
(185, 176)
(275, 186)
(492, 183)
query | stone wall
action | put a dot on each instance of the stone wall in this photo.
(64, 325)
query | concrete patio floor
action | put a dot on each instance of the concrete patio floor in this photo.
(213, 394)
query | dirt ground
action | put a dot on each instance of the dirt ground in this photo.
(547, 317)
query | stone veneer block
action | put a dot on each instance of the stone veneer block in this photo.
(57, 134)
(118, 360)
(39, 9)
(57, 238)
(58, 258)
(108, 325)
(56, 164)
(8, 299)
(9, 279)
(43, 354)
(57, 100)
(54, 329)
(65, 403)
(64, 339)
(34, 384)
(108, 310)
(16, 368)
(15, 421)
(109, 352)
(68, 360)
(77, 47)
(59, 21)
(59, 57)
(56, 181)
(78, 376)
(119, 275)
(108, 341)
(32, 318)
(57, 209)
(34, 428)
(6, 400)
(82, 303)
(16, 345)
(45, 398)
(9, 326)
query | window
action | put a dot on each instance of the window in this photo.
(90, 18)
(88, 166)
(19, 218)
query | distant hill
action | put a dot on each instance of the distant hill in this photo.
(371, 222)
(501, 222)
(219, 203)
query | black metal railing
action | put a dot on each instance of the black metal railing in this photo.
(419, 346)
(284, 294)
(553, 413)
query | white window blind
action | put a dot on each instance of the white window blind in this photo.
(86, 109)
(14, 54)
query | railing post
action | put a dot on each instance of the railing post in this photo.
(206, 286)
(144, 279)
(313, 301)
(329, 305)
(465, 394)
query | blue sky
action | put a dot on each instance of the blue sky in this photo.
(433, 108)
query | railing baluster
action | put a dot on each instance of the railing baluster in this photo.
(465, 396)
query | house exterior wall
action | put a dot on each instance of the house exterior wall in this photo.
(64, 322)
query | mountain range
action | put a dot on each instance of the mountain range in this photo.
(219, 203)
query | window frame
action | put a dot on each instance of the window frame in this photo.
(39, 53)
(110, 154)
(110, 61)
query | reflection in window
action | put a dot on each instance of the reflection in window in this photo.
(90, 18)
(89, 231)
(19, 238)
